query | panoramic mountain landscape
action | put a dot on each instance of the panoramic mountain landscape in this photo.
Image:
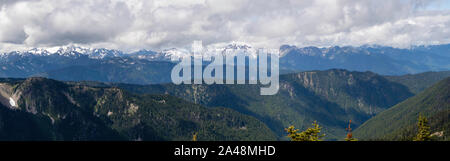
(115, 70)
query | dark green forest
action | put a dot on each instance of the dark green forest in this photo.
(380, 108)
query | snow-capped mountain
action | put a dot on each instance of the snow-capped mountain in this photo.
(172, 54)
(38, 51)
(175, 54)
(68, 51)
(239, 48)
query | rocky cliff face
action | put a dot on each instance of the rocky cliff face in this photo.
(8, 97)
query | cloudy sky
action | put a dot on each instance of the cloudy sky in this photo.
(157, 24)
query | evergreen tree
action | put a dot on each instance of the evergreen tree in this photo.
(310, 134)
(194, 137)
(423, 133)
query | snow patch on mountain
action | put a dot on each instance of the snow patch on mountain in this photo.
(12, 102)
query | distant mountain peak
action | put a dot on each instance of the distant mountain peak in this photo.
(238, 45)
(38, 51)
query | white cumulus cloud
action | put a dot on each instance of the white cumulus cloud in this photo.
(157, 24)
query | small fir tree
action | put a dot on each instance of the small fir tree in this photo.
(423, 133)
(194, 137)
(310, 134)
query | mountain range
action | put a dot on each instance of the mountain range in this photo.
(378, 59)
(72, 63)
